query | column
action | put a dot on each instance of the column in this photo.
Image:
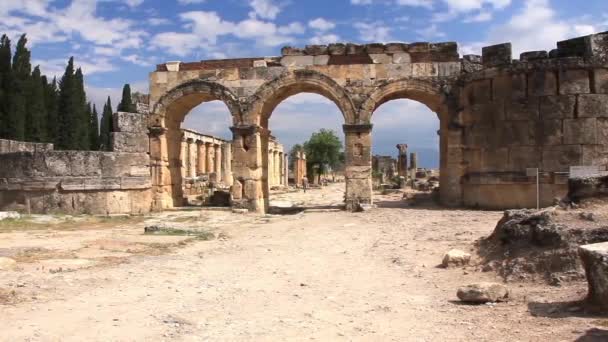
(183, 157)
(281, 169)
(286, 170)
(218, 162)
(358, 168)
(247, 167)
(160, 167)
(270, 168)
(210, 156)
(191, 158)
(402, 160)
(413, 164)
(277, 168)
(201, 158)
(227, 163)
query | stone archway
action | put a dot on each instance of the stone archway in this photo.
(166, 138)
(436, 96)
(272, 93)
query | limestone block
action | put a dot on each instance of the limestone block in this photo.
(477, 92)
(315, 50)
(522, 109)
(494, 159)
(557, 107)
(57, 163)
(375, 48)
(595, 262)
(130, 142)
(111, 183)
(130, 122)
(580, 131)
(593, 105)
(602, 131)
(522, 157)
(600, 81)
(496, 55)
(598, 47)
(455, 257)
(560, 158)
(260, 64)
(595, 155)
(424, 70)
(574, 82)
(159, 77)
(84, 164)
(471, 63)
(542, 83)
(510, 86)
(395, 47)
(401, 58)
(173, 66)
(396, 71)
(294, 61)
(520, 133)
(354, 49)
(321, 59)
(229, 74)
(490, 112)
(358, 172)
(291, 51)
(72, 184)
(448, 69)
(336, 49)
(380, 58)
(550, 132)
(533, 55)
(129, 183)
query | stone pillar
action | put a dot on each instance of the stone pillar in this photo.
(286, 170)
(270, 169)
(210, 155)
(201, 160)
(218, 162)
(160, 167)
(247, 168)
(297, 169)
(358, 168)
(183, 157)
(402, 160)
(277, 168)
(227, 164)
(192, 151)
(413, 164)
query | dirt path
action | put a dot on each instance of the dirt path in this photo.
(313, 276)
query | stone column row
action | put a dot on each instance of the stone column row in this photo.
(276, 166)
(199, 157)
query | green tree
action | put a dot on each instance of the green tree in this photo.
(67, 109)
(93, 129)
(126, 103)
(82, 118)
(106, 126)
(18, 89)
(35, 121)
(323, 150)
(5, 83)
(51, 99)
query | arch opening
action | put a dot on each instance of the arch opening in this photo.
(297, 115)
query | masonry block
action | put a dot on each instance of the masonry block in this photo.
(574, 82)
(580, 131)
(560, 158)
(557, 107)
(542, 83)
(294, 61)
(522, 109)
(497, 55)
(401, 58)
(549, 132)
(593, 105)
(600, 81)
(510, 86)
(523, 157)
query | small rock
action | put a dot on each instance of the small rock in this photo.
(240, 211)
(5, 215)
(587, 216)
(483, 293)
(456, 257)
(7, 264)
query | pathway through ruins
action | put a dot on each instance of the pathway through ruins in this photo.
(312, 276)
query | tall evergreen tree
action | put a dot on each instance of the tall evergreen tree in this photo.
(93, 129)
(22, 69)
(51, 98)
(82, 116)
(106, 126)
(5, 83)
(67, 109)
(126, 104)
(35, 121)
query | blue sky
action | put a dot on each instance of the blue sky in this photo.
(120, 41)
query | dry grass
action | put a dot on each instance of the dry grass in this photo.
(67, 223)
(8, 297)
(31, 255)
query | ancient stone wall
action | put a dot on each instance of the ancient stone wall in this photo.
(545, 110)
(42, 180)
(10, 146)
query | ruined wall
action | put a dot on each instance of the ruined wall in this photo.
(545, 110)
(9, 146)
(76, 182)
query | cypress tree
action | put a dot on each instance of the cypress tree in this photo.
(51, 98)
(82, 117)
(126, 104)
(66, 134)
(106, 126)
(93, 129)
(22, 69)
(5, 82)
(35, 122)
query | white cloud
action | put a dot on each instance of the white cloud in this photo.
(373, 32)
(158, 21)
(321, 24)
(361, 2)
(190, 2)
(416, 3)
(264, 9)
(56, 67)
(479, 17)
(134, 3)
(324, 39)
(430, 33)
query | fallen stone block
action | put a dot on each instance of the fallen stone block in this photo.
(483, 293)
(456, 257)
(12, 215)
(595, 262)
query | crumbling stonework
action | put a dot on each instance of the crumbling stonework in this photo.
(385, 168)
(497, 116)
(42, 180)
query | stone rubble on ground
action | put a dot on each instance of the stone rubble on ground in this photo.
(483, 293)
(4, 215)
(595, 261)
(456, 257)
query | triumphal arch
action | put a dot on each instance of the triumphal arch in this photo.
(498, 116)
